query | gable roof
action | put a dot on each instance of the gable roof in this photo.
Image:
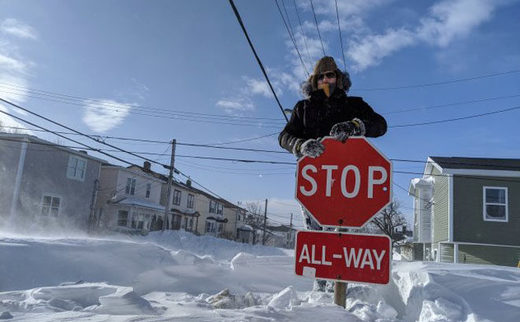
(477, 163)
(17, 137)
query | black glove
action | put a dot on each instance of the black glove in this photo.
(312, 148)
(343, 130)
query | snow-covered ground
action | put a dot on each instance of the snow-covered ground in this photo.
(178, 276)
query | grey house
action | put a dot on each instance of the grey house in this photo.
(43, 183)
(467, 210)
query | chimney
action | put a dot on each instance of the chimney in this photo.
(188, 183)
(146, 166)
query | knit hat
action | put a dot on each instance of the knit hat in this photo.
(326, 64)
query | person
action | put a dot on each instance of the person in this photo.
(327, 111)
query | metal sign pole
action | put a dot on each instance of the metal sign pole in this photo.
(340, 289)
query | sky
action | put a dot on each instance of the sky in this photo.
(163, 70)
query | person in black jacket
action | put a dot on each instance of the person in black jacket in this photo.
(327, 111)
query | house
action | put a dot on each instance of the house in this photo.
(46, 184)
(280, 236)
(183, 209)
(129, 199)
(467, 210)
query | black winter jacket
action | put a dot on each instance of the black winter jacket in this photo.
(313, 118)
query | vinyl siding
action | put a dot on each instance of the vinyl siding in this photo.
(494, 255)
(468, 222)
(441, 207)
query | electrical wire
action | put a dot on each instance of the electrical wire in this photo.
(303, 33)
(456, 118)
(237, 14)
(441, 82)
(317, 28)
(341, 38)
(290, 32)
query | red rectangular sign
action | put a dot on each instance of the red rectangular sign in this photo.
(343, 257)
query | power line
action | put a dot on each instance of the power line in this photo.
(291, 35)
(64, 98)
(440, 83)
(340, 37)
(451, 104)
(80, 133)
(303, 33)
(237, 14)
(456, 119)
(317, 28)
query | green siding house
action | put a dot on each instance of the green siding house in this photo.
(467, 210)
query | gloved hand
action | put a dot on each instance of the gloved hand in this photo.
(312, 148)
(343, 130)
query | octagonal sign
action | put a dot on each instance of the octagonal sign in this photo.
(347, 185)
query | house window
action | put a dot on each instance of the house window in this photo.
(190, 201)
(130, 186)
(50, 206)
(148, 189)
(495, 204)
(176, 197)
(215, 207)
(210, 226)
(76, 168)
(122, 218)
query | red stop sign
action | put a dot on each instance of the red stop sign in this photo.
(345, 186)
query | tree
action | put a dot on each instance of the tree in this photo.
(255, 219)
(390, 221)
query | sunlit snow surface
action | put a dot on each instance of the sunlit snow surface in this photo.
(178, 276)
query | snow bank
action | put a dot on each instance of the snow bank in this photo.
(171, 276)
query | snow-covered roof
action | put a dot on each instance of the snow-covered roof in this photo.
(425, 181)
(140, 203)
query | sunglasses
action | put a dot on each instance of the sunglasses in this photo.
(327, 74)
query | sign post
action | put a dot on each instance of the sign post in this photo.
(345, 187)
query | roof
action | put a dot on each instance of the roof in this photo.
(477, 163)
(139, 203)
(37, 140)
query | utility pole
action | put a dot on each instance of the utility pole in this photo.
(291, 232)
(265, 221)
(169, 190)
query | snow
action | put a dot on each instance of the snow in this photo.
(179, 276)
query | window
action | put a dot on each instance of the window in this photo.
(176, 197)
(76, 168)
(130, 186)
(50, 206)
(191, 198)
(210, 226)
(215, 207)
(122, 218)
(148, 189)
(495, 204)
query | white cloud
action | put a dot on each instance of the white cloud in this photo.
(446, 22)
(16, 28)
(103, 115)
(451, 19)
(14, 69)
(371, 50)
(236, 105)
(258, 86)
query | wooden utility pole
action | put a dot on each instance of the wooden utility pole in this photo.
(340, 288)
(169, 190)
(265, 221)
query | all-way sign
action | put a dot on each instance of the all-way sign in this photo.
(343, 257)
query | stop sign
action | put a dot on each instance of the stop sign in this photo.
(346, 185)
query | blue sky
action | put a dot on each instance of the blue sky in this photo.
(124, 61)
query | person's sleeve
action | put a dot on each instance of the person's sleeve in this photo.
(291, 136)
(375, 124)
